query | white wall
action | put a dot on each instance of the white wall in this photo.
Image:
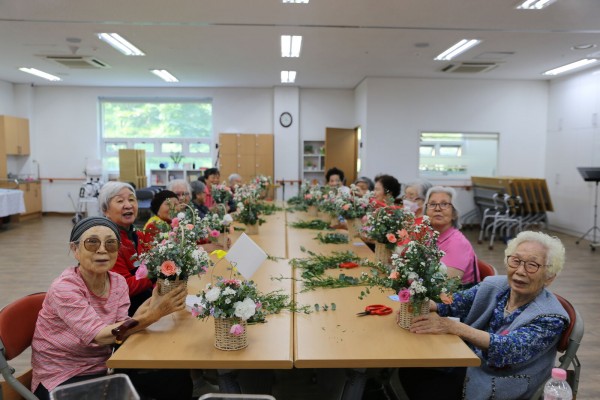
(321, 109)
(7, 98)
(573, 141)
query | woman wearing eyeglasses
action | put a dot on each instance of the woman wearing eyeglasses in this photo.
(460, 257)
(119, 204)
(513, 323)
(84, 308)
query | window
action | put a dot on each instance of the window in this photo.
(160, 127)
(457, 155)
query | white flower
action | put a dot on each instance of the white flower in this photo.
(227, 300)
(227, 219)
(443, 268)
(181, 216)
(213, 294)
(228, 291)
(197, 254)
(245, 309)
(240, 206)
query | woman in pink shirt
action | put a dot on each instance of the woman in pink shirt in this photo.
(83, 310)
(460, 257)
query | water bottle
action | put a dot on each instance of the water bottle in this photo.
(557, 387)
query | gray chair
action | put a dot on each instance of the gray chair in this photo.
(17, 324)
(568, 345)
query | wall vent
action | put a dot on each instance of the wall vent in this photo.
(469, 67)
(78, 62)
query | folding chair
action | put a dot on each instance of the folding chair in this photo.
(17, 324)
(568, 344)
(485, 269)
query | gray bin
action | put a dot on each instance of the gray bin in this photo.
(111, 387)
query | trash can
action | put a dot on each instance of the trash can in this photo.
(111, 387)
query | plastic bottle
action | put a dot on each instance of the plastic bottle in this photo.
(557, 387)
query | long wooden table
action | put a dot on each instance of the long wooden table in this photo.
(340, 339)
(324, 339)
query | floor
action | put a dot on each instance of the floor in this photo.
(33, 253)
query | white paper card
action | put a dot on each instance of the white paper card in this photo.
(246, 256)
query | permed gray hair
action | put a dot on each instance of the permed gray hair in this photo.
(179, 182)
(555, 256)
(110, 190)
(421, 186)
(450, 192)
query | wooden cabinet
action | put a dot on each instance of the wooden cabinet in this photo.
(15, 134)
(32, 196)
(132, 167)
(249, 155)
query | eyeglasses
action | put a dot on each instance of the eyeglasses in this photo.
(442, 206)
(182, 194)
(93, 244)
(530, 266)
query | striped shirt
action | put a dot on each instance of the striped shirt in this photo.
(70, 319)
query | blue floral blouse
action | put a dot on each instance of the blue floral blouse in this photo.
(507, 348)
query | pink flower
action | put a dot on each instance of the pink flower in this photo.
(308, 196)
(175, 222)
(168, 268)
(236, 330)
(142, 272)
(189, 227)
(258, 305)
(346, 207)
(214, 233)
(394, 275)
(196, 311)
(404, 296)
(364, 219)
(391, 238)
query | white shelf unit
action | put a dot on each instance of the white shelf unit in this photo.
(160, 177)
(313, 160)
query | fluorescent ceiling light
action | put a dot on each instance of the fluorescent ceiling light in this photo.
(295, 1)
(569, 67)
(39, 73)
(534, 4)
(288, 76)
(290, 46)
(457, 49)
(164, 75)
(118, 42)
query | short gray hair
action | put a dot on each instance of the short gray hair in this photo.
(234, 176)
(450, 192)
(555, 256)
(197, 187)
(421, 186)
(178, 182)
(110, 190)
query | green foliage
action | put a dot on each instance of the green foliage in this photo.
(334, 238)
(314, 224)
(315, 265)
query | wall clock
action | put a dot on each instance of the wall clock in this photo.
(285, 119)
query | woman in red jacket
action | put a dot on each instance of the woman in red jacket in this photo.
(119, 204)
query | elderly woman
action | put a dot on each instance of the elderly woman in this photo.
(85, 312)
(414, 198)
(387, 188)
(364, 184)
(198, 197)
(164, 204)
(512, 322)
(460, 257)
(119, 204)
(183, 190)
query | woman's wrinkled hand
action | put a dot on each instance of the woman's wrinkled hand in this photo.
(168, 303)
(431, 323)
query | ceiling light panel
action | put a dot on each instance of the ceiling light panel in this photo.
(534, 4)
(121, 44)
(294, 1)
(458, 48)
(40, 74)
(164, 75)
(571, 66)
(291, 45)
(288, 76)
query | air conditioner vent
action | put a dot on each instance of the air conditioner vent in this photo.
(469, 67)
(78, 62)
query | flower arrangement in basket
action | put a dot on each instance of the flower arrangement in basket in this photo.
(262, 181)
(221, 193)
(352, 205)
(312, 194)
(327, 201)
(249, 207)
(417, 274)
(174, 256)
(386, 224)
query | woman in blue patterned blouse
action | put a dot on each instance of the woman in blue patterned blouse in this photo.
(513, 323)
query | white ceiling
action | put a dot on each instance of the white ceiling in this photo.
(235, 43)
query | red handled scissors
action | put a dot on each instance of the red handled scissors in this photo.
(375, 309)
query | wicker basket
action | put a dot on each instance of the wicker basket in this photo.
(166, 285)
(382, 253)
(409, 310)
(312, 211)
(223, 240)
(252, 229)
(227, 341)
(354, 226)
